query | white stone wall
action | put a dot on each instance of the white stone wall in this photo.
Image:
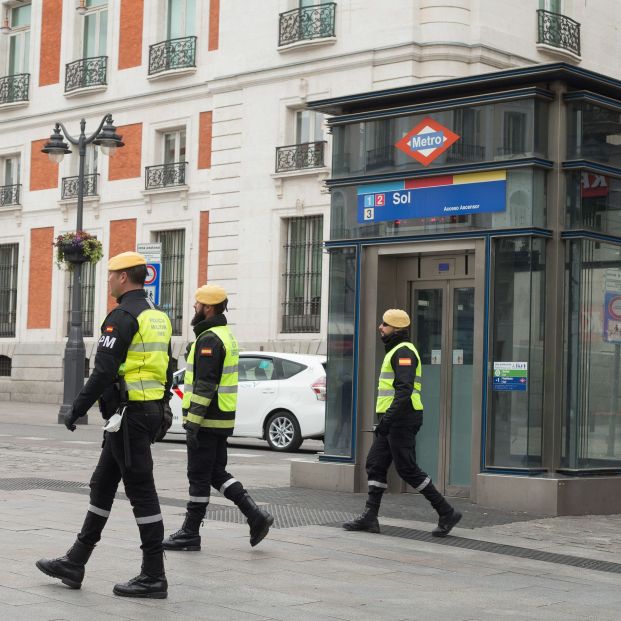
(253, 89)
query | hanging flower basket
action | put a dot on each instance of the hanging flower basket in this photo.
(79, 247)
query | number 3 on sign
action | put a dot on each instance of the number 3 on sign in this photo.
(369, 213)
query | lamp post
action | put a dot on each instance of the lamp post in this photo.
(75, 353)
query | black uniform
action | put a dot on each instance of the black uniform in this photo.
(207, 449)
(143, 420)
(207, 462)
(395, 436)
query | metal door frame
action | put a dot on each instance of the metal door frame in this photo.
(447, 286)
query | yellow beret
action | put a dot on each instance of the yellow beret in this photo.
(125, 260)
(396, 318)
(210, 294)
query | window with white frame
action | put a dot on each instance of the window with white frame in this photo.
(10, 180)
(10, 170)
(18, 58)
(173, 144)
(95, 35)
(91, 182)
(180, 19)
(308, 126)
(8, 286)
(301, 306)
(173, 265)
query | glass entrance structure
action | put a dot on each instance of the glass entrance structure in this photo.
(487, 207)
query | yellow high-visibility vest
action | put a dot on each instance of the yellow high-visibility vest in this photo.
(226, 389)
(386, 388)
(146, 363)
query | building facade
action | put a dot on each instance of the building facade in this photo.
(223, 163)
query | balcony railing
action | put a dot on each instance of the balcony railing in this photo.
(300, 156)
(9, 194)
(164, 175)
(307, 23)
(14, 88)
(70, 186)
(172, 54)
(85, 73)
(559, 31)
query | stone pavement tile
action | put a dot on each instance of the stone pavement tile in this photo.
(56, 611)
(582, 612)
(174, 608)
(19, 597)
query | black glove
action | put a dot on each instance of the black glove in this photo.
(70, 418)
(166, 423)
(191, 434)
(383, 427)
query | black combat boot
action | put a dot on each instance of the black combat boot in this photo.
(186, 539)
(446, 523)
(69, 568)
(151, 583)
(367, 521)
(258, 519)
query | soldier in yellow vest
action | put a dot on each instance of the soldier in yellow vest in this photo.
(209, 404)
(134, 345)
(399, 409)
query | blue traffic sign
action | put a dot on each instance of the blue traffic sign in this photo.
(152, 283)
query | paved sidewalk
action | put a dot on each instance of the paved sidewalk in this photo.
(496, 566)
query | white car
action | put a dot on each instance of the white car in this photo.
(281, 398)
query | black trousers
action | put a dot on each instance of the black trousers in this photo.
(399, 446)
(207, 468)
(143, 420)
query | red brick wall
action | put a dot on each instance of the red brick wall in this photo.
(205, 135)
(122, 239)
(43, 172)
(214, 25)
(203, 248)
(40, 278)
(51, 25)
(130, 35)
(126, 162)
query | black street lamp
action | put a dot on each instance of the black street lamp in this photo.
(75, 352)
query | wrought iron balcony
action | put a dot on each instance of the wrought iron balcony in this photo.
(172, 54)
(164, 175)
(71, 184)
(9, 194)
(85, 73)
(14, 88)
(558, 31)
(300, 156)
(307, 23)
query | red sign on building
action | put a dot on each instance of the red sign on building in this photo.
(426, 141)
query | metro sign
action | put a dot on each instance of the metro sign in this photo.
(426, 141)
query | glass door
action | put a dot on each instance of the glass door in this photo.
(443, 332)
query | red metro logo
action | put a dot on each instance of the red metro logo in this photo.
(426, 141)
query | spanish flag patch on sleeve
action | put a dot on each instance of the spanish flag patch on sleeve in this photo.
(405, 362)
(206, 351)
(109, 329)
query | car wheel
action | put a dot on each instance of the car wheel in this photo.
(283, 432)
